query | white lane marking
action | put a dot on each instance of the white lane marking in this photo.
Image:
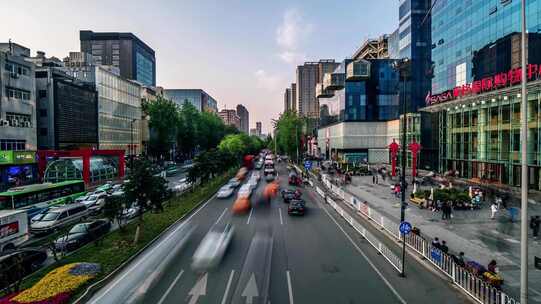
(162, 299)
(365, 257)
(228, 286)
(289, 288)
(199, 289)
(250, 291)
(281, 219)
(221, 215)
(171, 234)
(250, 216)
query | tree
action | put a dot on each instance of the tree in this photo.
(145, 189)
(113, 208)
(289, 133)
(164, 120)
(187, 136)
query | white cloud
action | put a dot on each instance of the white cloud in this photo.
(291, 35)
(268, 81)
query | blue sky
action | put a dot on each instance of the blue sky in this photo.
(238, 51)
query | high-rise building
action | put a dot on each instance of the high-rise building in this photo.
(287, 100)
(308, 75)
(258, 128)
(373, 49)
(393, 42)
(200, 99)
(230, 117)
(135, 59)
(244, 116)
(17, 98)
(119, 103)
(294, 97)
(18, 141)
(67, 108)
(476, 90)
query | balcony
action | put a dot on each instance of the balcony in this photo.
(358, 70)
(333, 81)
(321, 92)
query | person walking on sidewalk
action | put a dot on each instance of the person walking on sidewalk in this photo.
(493, 210)
(436, 243)
(535, 223)
(444, 247)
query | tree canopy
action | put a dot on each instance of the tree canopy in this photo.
(289, 129)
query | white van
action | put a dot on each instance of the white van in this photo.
(13, 228)
(58, 217)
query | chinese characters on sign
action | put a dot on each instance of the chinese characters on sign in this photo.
(500, 80)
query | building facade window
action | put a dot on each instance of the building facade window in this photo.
(17, 93)
(12, 144)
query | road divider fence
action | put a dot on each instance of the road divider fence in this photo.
(474, 285)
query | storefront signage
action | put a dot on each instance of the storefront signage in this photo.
(17, 157)
(498, 81)
(9, 229)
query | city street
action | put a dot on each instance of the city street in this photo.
(274, 258)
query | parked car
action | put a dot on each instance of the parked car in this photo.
(296, 207)
(31, 259)
(225, 192)
(129, 213)
(34, 210)
(81, 234)
(93, 200)
(58, 217)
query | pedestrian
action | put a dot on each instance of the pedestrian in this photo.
(535, 223)
(373, 178)
(493, 210)
(377, 182)
(397, 191)
(444, 210)
(439, 204)
(499, 201)
(513, 211)
(443, 247)
(436, 243)
(459, 260)
(492, 267)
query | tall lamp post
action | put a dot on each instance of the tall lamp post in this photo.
(403, 66)
(132, 148)
(524, 169)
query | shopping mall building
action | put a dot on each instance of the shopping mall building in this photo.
(476, 89)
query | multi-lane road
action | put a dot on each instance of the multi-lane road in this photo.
(273, 258)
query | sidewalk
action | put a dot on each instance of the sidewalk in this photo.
(471, 231)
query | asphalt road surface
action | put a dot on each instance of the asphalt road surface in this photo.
(273, 258)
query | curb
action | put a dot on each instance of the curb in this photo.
(90, 289)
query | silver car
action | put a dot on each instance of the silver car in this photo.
(225, 192)
(212, 249)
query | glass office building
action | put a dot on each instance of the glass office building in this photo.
(476, 89)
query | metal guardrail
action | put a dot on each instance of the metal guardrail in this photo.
(473, 285)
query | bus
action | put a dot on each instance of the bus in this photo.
(46, 194)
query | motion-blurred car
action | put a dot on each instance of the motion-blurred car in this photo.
(241, 205)
(212, 248)
(225, 192)
(269, 177)
(256, 175)
(30, 259)
(290, 194)
(81, 234)
(241, 174)
(245, 191)
(296, 207)
(234, 182)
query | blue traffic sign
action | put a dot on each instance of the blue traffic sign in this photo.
(307, 164)
(405, 227)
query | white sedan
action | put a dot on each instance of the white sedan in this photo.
(225, 191)
(212, 248)
(245, 191)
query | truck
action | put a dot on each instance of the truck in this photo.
(13, 229)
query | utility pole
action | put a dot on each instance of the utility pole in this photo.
(524, 169)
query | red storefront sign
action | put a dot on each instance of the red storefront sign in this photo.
(500, 80)
(9, 229)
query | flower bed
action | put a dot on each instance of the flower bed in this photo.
(57, 286)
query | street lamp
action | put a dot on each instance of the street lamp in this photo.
(403, 66)
(524, 169)
(132, 150)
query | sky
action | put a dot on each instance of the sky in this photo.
(237, 51)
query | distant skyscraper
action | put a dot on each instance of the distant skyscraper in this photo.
(135, 59)
(230, 118)
(294, 96)
(244, 116)
(287, 100)
(308, 75)
(258, 128)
